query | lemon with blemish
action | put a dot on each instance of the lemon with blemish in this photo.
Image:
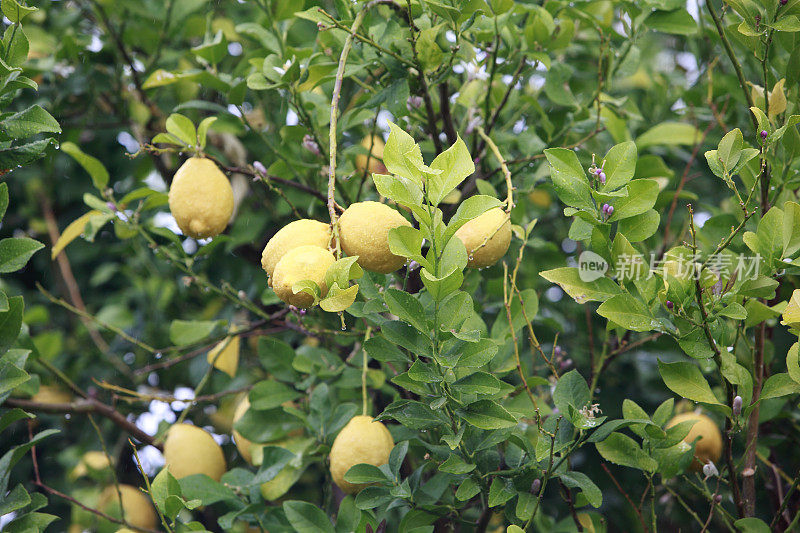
(191, 450)
(362, 440)
(300, 264)
(364, 232)
(201, 198)
(486, 237)
(293, 235)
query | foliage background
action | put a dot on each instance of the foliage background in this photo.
(112, 71)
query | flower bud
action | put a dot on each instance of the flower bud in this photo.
(710, 470)
(535, 486)
(260, 168)
(718, 498)
(764, 134)
(737, 406)
(670, 305)
(602, 178)
(310, 144)
(413, 102)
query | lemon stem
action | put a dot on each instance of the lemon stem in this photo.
(364, 374)
(506, 173)
(337, 93)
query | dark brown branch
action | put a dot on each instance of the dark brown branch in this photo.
(88, 405)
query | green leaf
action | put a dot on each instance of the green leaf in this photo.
(640, 227)
(402, 156)
(183, 332)
(268, 394)
(16, 156)
(579, 480)
(778, 385)
(14, 11)
(628, 312)
(402, 190)
(365, 473)
(454, 464)
(571, 389)
(569, 179)
(11, 322)
(642, 196)
(500, 491)
(406, 307)
(306, 517)
(686, 380)
(751, 525)
(623, 450)
(11, 377)
(467, 489)
(91, 165)
(455, 165)
(471, 208)
(29, 122)
(199, 487)
(669, 134)
(3, 199)
(478, 383)
(14, 500)
(182, 128)
(568, 278)
(678, 22)
(486, 414)
(619, 165)
(337, 300)
(213, 50)
(202, 130)
(15, 253)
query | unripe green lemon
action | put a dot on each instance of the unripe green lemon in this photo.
(709, 446)
(138, 509)
(299, 264)
(376, 158)
(486, 238)
(191, 450)
(201, 198)
(293, 235)
(244, 446)
(364, 231)
(362, 440)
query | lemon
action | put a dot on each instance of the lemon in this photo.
(51, 394)
(201, 198)
(244, 446)
(293, 235)
(709, 446)
(299, 264)
(486, 237)
(364, 231)
(376, 157)
(136, 505)
(191, 450)
(362, 440)
(92, 461)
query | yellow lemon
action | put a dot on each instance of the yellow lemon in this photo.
(191, 450)
(136, 505)
(791, 315)
(201, 198)
(92, 461)
(302, 263)
(709, 446)
(298, 233)
(362, 440)
(486, 237)
(244, 446)
(364, 231)
(376, 156)
(51, 394)
(125, 530)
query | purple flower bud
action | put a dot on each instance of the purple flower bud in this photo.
(598, 171)
(260, 168)
(737, 406)
(321, 26)
(764, 134)
(603, 178)
(718, 498)
(670, 305)
(111, 206)
(605, 209)
(535, 486)
(611, 210)
(413, 102)
(784, 2)
(310, 144)
(557, 351)
(566, 363)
